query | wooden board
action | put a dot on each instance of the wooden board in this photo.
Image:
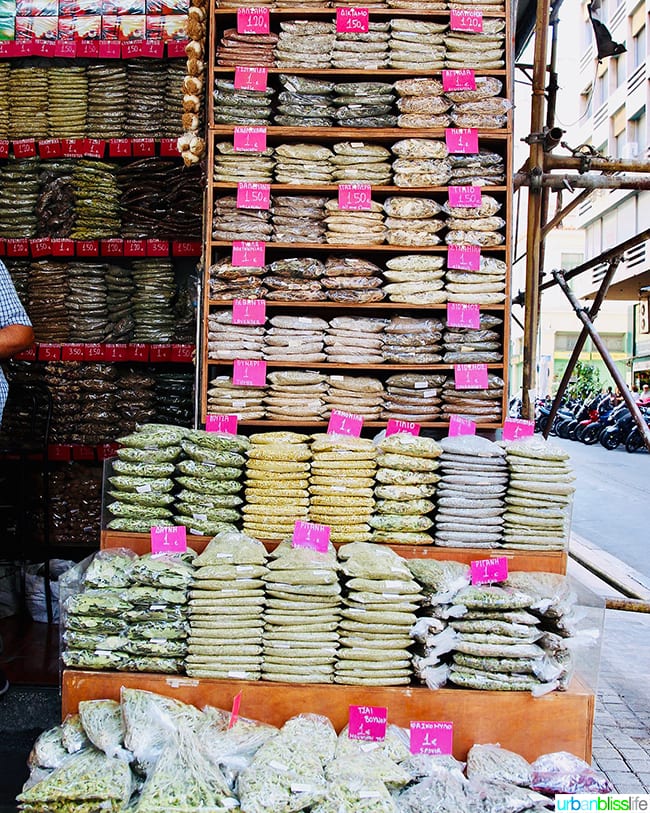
(546, 561)
(560, 721)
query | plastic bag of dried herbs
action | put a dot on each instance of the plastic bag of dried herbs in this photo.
(102, 722)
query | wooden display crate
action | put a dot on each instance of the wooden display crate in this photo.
(559, 721)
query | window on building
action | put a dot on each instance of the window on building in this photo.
(638, 134)
(638, 48)
(614, 342)
(620, 71)
(602, 91)
(569, 260)
(586, 101)
(610, 235)
(618, 124)
(565, 341)
(626, 218)
(593, 240)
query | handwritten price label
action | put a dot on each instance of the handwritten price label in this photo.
(253, 195)
(172, 539)
(463, 79)
(355, 196)
(464, 258)
(517, 428)
(253, 21)
(395, 427)
(367, 723)
(344, 423)
(249, 373)
(248, 311)
(251, 78)
(471, 21)
(248, 254)
(484, 571)
(249, 139)
(428, 737)
(311, 535)
(462, 140)
(223, 424)
(352, 20)
(465, 196)
(471, 376)
(459, 425)
(461, 314)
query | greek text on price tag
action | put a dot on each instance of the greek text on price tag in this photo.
(471, 21)
(429, 737)
(249, 254)
(462, 140)
(311, 535)
(253, 21)
(172, 539)
(253, 195)
(396, 426)
(367, 723)
(460, 425)
(352, 20)
(463, 314)
(465, 196)
(463, 79)
(471, 376)
(251, 78)
(355, 196)
(249, 372)
(248, 311)
(485, 571)
(249, 139)
(464, 258)
(517, 428)
(224, 424)
(344, 423)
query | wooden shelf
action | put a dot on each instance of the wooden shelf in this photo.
(356, 247)
(366, 133)
(351, 306)
(333, 188)
(379, 72)
(559, 721)
(328, 365)
(320, 11)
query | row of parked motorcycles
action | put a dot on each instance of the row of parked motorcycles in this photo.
(594, 420)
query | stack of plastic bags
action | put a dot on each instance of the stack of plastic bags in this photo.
(355, 394)
(234, 167)
(476, 404)
(226, 398)
(413, 396)
(416, 45)
(296, 393)
(367, 51)
(356, 162)
(410, 340)
(290, 339)
(413, 222)
(227, 341)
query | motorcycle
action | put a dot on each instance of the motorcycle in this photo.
(634, 441)
(583, 412)
(621, 424)
(591, 432)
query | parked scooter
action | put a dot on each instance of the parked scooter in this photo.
(634, 441)
(591, 432)
(621, 424)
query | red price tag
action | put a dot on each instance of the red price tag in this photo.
(157, 248)
(57, 451)
(51, 148)
(44, 48)
(153, 49)
(462, 314)
(234, 713)
(396, 427)
(465, 196)
(73, 147)
(81, 452)
(17, 247)
(464, 258)
(4, 149)
(116, 352)
(248, 311)
(131, 50)
(471, 21)
(5, 49)
(95, 147)
(135, 248)
(40, 246)
(471, 376)
(89, 49)
(253, 195)
(49, 352)
(517, 428)
(182, 353)
(24, 148)
(344, 423)
(355, 196)
(143, 147)
(26, 355)
(19, 49)
(119, 148)
(462, 140)
(367, 723)
(186, 249)
(253, 21)
(249, 373)
(248, 254)
(110, 50)
(464, 79)
(66, 48)
(169, 148)
(160, 352)
(138, 352)
(459, 425)
(249, 139)
(223, 424)
(352, 20)
(428, 737)
(311, 535)
(168, 539)
(94, 352)
(113, 247)
(176, 48)
(72, 352)
(62, 247)
(106, 450)
(88, 248)
(485, 571)
(251, 78)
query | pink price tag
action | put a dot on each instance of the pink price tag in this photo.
(471, 376)
(485, 571)
(471, 21)
(311, 535)
(396, 427)
(462, 314)
(460, 425)
(517, 428)
(253, 195)
(249, 139)
(464, 258)
(462, 139)
(428, 737)
(355, 196)
(223, 424)
(168, 539)
(248, 253)
(465, 196)
(344, 423)
(249, 373)
(248, 311)
(463, 79)
(251, 78)
(352, 20)
(367, 723)
(253, 21)
(234, 712)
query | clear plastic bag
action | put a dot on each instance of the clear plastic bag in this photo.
(562, 772)
(102, 722)
(493, 763)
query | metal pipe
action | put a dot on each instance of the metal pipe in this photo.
(559, 217)
(632, 605)
(604, 354)
(589, 181)
(588, 162)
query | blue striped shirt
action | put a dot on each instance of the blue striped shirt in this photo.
(11, 313)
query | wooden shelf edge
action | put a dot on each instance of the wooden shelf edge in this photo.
(368, 133)
(355, 247)
(382, 12)
(383, 305)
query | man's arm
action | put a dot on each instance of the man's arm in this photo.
(15, 338)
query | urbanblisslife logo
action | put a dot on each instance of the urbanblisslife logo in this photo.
(602, 802)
